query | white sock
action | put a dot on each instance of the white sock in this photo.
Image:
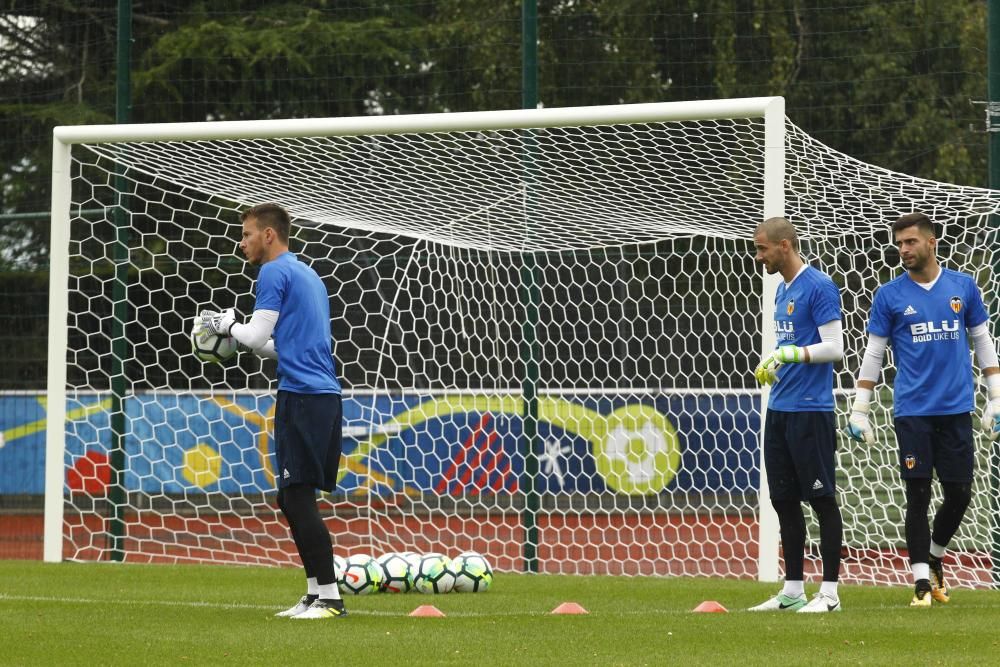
(921, 571)
(937, 550)
(830, 589)
(329, 591)
(794, 589)
(312, 587)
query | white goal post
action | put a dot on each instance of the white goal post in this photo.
(633, 225)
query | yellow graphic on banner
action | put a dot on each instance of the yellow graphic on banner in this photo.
(24, 430)
(202, 465)
(636, 448)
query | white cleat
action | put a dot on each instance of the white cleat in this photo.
(299, 607)
(323, 609)
(781, 602)
(821, 604)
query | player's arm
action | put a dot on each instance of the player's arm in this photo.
(986, 355)
(858, 426)
(255, 335)
(829, 349)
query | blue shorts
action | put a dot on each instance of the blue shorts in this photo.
(941, 443)
(307, 439)
(800, 454)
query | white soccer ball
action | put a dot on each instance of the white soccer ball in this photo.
(433, 574)
(212, 348)
(473, 573)
(338, 569)
(362, 576)
(411, 557)
(396, 577)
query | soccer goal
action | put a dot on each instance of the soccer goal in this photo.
(545, 322)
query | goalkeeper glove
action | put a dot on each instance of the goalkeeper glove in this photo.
(991, 413)
(858, 427)
(218, 323)
(767, 370)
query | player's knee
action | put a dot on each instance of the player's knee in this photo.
(281, 502)
(787, 509)
(918, 494)
(824, 505)
(956, 494)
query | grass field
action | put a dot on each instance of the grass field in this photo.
(110, 614)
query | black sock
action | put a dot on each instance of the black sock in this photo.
(949, 516)
(282, 499)
(918, 532)
(313, 539)
(792, 523)
(831, 535)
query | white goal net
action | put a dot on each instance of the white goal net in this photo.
(545, 323)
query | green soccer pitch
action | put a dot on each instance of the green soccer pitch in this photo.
(112, 614)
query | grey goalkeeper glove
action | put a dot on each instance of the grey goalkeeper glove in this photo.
(218, 323)
(858, 427)
(991, 414)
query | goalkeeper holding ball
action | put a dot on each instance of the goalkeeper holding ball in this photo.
(800, 436)
(293, 306)
(928, 314)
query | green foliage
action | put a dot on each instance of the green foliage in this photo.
(23, 322)
(269, 64)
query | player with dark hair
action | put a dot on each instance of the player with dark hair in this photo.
(291, 322)
(928, 315)
(800, 436)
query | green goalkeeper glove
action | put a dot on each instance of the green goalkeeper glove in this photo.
(767, 370)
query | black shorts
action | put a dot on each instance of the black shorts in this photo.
(941, 442)
(307, 439)
(800, 454)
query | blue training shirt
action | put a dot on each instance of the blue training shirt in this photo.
(302, 334)
(927, 331)
(799, 309)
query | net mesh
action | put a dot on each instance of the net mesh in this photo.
(617, 258)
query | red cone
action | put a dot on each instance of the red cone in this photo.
(426, 610)
(569, 608)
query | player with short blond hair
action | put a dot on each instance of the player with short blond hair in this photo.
(800, 435)
(291, 322)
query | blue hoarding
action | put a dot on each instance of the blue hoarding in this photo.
(180, 443)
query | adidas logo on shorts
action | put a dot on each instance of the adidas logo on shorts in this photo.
(285, 473)
(817, 485)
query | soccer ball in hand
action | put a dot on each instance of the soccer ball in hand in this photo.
(433, 574)
(211, 347)
(472, 573)
(395, 573)
(362, 576)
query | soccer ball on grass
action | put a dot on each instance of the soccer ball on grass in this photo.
(362, 576)
(472, 573)
(396, 577)
(434, 574)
